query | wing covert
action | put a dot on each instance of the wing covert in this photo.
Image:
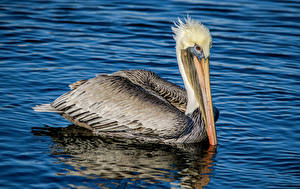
(157, 86)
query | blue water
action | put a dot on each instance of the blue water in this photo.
(255, 73)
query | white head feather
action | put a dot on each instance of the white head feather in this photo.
(191, 32)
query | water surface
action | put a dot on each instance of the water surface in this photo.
(47, 45)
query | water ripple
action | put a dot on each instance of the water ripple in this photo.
(45, 46)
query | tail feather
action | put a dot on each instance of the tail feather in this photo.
(45, 108)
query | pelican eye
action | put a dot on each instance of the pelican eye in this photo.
(198, 49)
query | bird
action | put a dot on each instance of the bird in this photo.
(139, 105)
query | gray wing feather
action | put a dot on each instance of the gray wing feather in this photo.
(45, 108)
(157, 86)
(77, 84)
(111, 103)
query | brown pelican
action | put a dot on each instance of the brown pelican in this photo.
(139, 105)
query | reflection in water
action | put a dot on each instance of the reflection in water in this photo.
(95, 158)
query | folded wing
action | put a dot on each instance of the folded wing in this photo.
(114, 104)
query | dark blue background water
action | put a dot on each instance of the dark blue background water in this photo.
(46, 45)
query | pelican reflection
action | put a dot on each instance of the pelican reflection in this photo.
(97, 158)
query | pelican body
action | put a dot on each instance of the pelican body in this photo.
(139, 105)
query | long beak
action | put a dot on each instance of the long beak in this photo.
(197, 71)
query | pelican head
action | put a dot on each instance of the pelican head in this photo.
(193, 42)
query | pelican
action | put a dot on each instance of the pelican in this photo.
(139, 105)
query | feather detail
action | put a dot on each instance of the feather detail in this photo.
(45, 108)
